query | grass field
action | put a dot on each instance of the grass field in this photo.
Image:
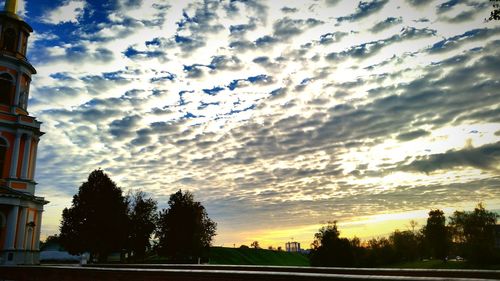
(238, 256)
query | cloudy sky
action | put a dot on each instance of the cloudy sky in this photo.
(277, 115)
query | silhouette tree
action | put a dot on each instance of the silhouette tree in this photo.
(405, 245)
(255, 245)
(380, 252)
(437, 235)
(473, 231)
(185, 231)
(413, 224)
(328, 249)
(143, 219)
(97, 220)
(51, 241)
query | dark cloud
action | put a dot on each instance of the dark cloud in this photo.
(454, 42)
(225, 63)
(261, 79)
(329, 38)
(332, 2)
(419, 3)
(446, 6)
(194, 71)
(368, 49)
(364, 10)
(135, 54)
(242, 29)
(76, 54)
(124, 127)
(197, 22)
(412, 135)
(289, 10)
(485, 158)
(257, 7)
(286, 28)
(388, 22)
(473, 8)
(241, 45)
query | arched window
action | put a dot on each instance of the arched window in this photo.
(9, 39)
(3, 153)
(6, 86)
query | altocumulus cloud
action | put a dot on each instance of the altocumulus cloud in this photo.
(275, 114)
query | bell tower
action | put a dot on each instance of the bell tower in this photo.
(20, 210)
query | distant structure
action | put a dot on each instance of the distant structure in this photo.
(292, 246)
(20, 209)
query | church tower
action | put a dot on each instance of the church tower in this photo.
(20, 209)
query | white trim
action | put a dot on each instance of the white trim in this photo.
(15, 155)
(26, 155)
(11, 228)
(22, 228)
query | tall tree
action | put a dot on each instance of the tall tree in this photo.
(97, 220)
(143, 218)
(328, 249)
(405, 244)
(381, 252)
(437, 235)
(473, 231)
(185, 231)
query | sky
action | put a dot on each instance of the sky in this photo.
(278, 115)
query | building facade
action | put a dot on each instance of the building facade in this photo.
(292, 246)
(20, 210)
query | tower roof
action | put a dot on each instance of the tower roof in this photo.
(10, 10)
(10, 6)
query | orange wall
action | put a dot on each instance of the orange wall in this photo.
(20, 158)
(11, 71)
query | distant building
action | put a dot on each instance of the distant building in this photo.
(292, 247)
(20, 210)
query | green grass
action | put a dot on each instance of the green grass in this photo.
(238, 256)
(438, 264)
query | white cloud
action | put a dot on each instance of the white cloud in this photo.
(69, 12)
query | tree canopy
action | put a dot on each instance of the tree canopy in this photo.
(328, 249)
(143, 218)
(437, 235)
(474, 233)
(184, 230)
(97, 220)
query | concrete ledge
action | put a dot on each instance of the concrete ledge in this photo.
(77, 273)
(473, 273)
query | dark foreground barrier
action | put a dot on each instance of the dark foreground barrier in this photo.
(218, 273)
(459, 273)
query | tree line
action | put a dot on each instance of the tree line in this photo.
(102, 221)
(468, 234)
